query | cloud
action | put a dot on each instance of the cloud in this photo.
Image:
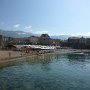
(28, 27)
(23, 33)
(16, 25)
(42, 32)
(83, 34)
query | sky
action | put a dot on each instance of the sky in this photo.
(55, 17)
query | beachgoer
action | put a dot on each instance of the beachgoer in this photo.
(9, 54)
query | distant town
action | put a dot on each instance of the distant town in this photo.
(45, 39)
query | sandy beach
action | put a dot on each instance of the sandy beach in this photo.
(6, 56)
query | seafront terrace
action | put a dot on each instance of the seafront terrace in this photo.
(41, 47)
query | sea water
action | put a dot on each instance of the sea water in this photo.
(69, 71)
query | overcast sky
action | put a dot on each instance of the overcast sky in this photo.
(54, 17)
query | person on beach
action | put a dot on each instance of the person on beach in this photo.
(9, 54)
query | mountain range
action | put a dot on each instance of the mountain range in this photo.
(62, 37)
(16, 34)
(23, 34)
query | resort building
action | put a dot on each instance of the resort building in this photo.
(44, 39)
(56, 42)
(34, 40)
(79, 43)
(4, 41)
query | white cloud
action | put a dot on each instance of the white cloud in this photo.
(16, 25)
(21, 33)
(83, 34)
(42, 32)
(28, 27)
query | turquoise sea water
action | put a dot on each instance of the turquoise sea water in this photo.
(47, 72)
